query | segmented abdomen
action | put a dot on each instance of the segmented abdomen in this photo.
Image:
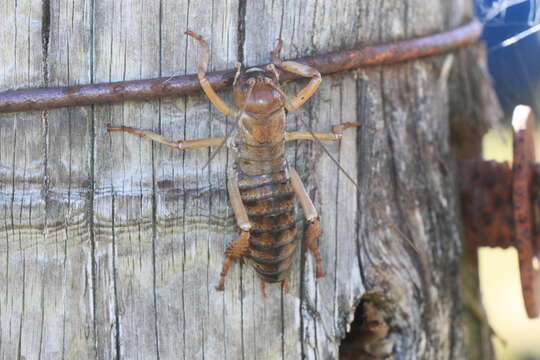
(267, 193)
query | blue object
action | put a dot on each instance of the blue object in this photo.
(512, 35)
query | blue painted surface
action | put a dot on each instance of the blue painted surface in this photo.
(515, 68)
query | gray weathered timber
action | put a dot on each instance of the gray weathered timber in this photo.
(111, 246)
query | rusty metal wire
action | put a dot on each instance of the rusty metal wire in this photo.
(50, 98)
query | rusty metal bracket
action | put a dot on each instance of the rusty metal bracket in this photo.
(50, 98)
(501, 205)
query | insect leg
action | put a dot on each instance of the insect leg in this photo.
(300, 69)
(180, 144)
(235, 251)
(313, 230)
(221, 105)
(334, 135)
(239, 209)
(240, 247)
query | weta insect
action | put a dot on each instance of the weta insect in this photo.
(261, 185)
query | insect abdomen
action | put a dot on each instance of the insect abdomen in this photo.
(267, 193)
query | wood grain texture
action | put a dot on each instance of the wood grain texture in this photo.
(110, 246)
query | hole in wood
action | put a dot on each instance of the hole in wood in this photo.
(368, 335)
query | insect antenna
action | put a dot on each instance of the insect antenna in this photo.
(317, 140)
(213, 155)
(349, 177)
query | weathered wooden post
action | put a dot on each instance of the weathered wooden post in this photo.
(110, 246)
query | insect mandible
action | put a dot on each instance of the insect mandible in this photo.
(261, 184)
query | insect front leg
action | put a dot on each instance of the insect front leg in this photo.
(221, 105)
(300, 69)
(239, 247)
(313, 230)
(177, 144)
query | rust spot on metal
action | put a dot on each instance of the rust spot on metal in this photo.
(50, 98)
(73, 90)
(478, 200)
(118, 87)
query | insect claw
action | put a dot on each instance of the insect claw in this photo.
(221, 285)
(338, 129)
(193, 34)
(263, 288)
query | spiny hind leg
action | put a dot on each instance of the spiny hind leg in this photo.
(313, 230)
(300, 69)
(240, 247)
(235, 251)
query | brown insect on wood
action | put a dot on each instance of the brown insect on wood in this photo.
(261, 184)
